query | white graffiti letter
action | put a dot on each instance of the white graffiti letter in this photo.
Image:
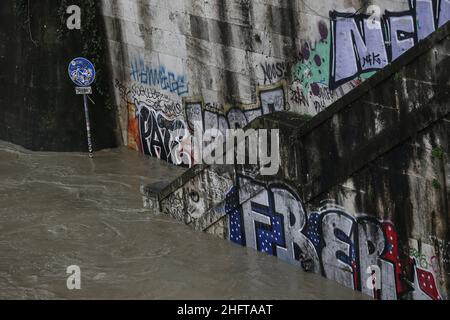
(336, 255)
(444, 13)
(353, 53)
(298, 246)
(402, 34)
(425, 18)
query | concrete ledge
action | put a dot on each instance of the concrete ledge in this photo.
(150, 195)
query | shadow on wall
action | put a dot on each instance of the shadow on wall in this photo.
(38, 106)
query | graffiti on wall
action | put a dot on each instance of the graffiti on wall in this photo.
(341, 246)
(361, 44)
(349, 49)
(158, 76)
(194, 203)
(162, 137)
(354, 46)
(443, 247)
(159, 101)
(311, 75)
(274, 71)
(155, 124)
(200, 116)
(161, 127)
(270, 99)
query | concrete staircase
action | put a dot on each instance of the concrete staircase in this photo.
(364, 184)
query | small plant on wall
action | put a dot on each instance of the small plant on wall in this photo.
(438, 153)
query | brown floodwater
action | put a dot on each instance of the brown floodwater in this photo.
(63, 209)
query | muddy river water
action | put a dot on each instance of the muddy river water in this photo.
(64, 209)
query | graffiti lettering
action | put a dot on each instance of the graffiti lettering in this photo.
(155, 99)
(162, 137)
(158, 76)
(341, 246)
(274, 71)
(196, 114)
(359, 45)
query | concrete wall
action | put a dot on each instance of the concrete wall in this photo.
(223, 63)
(363, 186)
(38, 106)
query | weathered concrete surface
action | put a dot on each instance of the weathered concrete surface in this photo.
(58, 210)
(364, 183)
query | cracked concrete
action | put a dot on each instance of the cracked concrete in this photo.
(62, 209)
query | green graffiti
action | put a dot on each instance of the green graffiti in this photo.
(314, 67)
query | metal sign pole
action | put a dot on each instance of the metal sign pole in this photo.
(82, 73)
(88, 125)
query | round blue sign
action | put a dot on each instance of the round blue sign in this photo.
(82, 72)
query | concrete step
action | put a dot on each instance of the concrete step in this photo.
(363, 159)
